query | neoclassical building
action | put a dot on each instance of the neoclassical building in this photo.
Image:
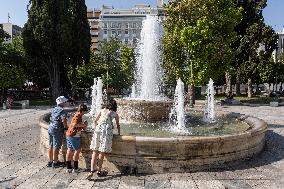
(125, 24)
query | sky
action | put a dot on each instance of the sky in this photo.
(273, 13)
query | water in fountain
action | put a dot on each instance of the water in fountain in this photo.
(97, 97)
(149, 70)
(177, 115)
(133, 91)
(209, 113)
(94, 97)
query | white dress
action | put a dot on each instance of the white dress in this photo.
(103, 134)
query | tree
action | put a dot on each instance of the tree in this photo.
(127, 66)
(252, 33)
(80, 39)
(116, 63)
(87, 72)
(51, 37)
(12, 74)
(203, 31)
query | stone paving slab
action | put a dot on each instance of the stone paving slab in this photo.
(22, 166)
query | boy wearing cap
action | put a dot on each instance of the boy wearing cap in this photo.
(58, 121)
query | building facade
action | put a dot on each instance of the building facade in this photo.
(12, 30)
(93, 16)
(124, 24)
(280, 48)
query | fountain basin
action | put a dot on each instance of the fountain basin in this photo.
(171, 154)
(143, 110)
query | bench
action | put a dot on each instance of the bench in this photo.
(22, 104)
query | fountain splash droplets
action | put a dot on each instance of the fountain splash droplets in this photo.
(177, 115)
(209, 112)
(97, 97)
(149, 69)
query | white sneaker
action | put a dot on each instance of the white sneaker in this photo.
(75, 171)
(90, 175)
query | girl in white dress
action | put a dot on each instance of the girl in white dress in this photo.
(102, 138)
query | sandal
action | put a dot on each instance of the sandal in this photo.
(102, 173)
(90, 175)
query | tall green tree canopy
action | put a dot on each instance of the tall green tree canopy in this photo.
(253, 36)
(12, 74)
(200, 32)
(57, 35)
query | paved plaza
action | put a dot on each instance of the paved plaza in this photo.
(22, 165)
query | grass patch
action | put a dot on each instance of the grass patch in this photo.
(252, 100)
(42, 102)
(259, 100)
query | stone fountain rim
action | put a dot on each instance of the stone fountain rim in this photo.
(145, 101)
(257, 126)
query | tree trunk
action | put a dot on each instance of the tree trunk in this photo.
(249, 88)
(55, 80)
(238, 84)
(73, 81)
(228, 83)
(191, 95)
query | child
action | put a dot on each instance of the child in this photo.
(102, 138)
(73, 138)
(58, 121)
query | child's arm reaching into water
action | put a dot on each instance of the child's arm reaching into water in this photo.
(117, 123)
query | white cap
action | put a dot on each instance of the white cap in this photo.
(61, 99)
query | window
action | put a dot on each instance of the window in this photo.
(119, 32)
(134, 25)
(105, 32)
(105, 25)
(126, 40)
(126, 25)
(113, 25)
(126, 32)
(119, 25)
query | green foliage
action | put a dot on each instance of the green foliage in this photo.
(3, 34)
(253, 34)
(127, 65)
(87, 72)
(202, 31)
(57, 36)
(12, 74)
(115, 63)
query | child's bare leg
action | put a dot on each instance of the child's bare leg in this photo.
(101, 159)
(55, 154)
(76, 155)
(69, 155)
(50, 154)
(94, 160)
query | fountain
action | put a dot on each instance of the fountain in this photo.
(151, 145)
(149, 70)
(133, 91)
(177, 115)
(146, 103)
(97, 97)
(209, 113)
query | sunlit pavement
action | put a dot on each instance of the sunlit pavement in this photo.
(22, 165)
